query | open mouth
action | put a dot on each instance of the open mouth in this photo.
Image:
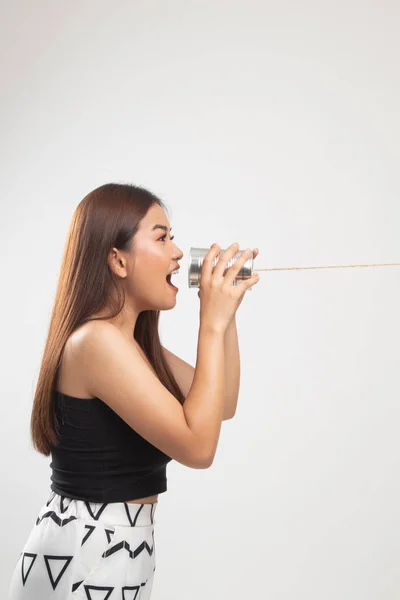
(168, 278)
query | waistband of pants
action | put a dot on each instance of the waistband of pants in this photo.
(113, 513)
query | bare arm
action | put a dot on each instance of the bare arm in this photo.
(115, 372)
(184, 374)
(204, 406)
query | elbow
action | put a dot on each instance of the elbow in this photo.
(206, 459)
(228, 417)
(205, 464)
(208, 462)
(203, 460)
(198, 463)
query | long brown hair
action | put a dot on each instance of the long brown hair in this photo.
(107, 217)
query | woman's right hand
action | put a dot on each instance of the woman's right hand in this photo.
(219, 298)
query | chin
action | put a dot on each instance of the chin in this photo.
(168, 308)
(171, 303)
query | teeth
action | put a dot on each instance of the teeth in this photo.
(174, 272)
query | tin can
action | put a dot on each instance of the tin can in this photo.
(196, 257)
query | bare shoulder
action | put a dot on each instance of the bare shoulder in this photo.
(97, 337)
(71, 376)
(99, 342)
(85, 339)
(89, 328)
(116, 373)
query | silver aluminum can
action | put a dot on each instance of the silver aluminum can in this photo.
(196, 257)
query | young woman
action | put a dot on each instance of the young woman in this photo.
(112, 406)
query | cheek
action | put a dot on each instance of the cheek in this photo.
(150, 268)
(149, 259)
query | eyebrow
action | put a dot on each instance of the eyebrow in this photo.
(163, 227)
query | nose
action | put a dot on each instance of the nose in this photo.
(178, 254)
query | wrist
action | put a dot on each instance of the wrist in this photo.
(209, 329)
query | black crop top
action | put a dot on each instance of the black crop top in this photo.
(99, 457)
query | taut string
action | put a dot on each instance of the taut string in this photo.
(328, 267)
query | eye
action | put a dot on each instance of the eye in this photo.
(164, 236)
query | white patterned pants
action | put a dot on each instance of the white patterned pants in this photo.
(80, 550)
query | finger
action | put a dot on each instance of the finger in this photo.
(224, 259)
(207, 264)
(249, 282)
(232, 272)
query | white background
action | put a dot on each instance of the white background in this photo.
(274, 124)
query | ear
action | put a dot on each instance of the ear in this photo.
(117, 262)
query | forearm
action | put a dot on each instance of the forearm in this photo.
(232, 369)
(204, 405)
